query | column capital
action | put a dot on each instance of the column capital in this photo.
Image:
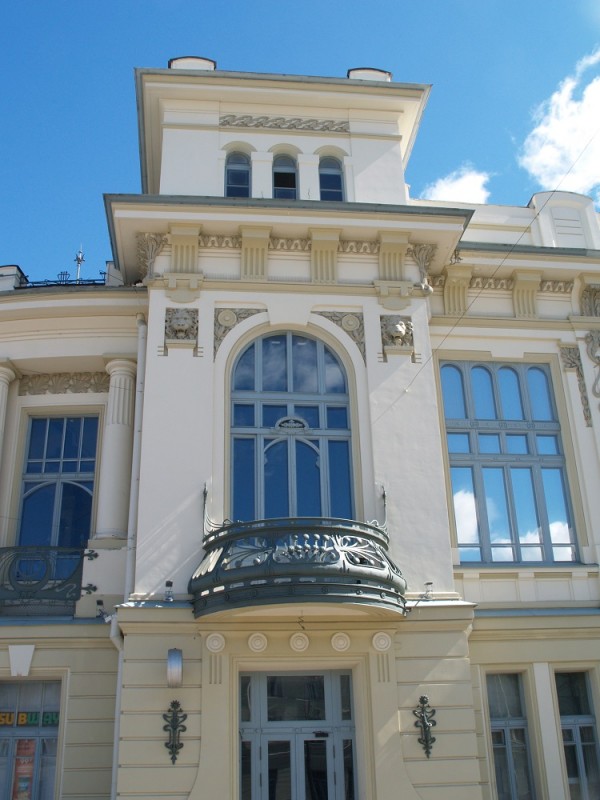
(8, 371)
(120, 364)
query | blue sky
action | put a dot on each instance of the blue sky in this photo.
(515, 105)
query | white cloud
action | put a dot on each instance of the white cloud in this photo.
(466, 517)
(464, 185)
(563, 149)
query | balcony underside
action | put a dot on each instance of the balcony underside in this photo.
(288, 561)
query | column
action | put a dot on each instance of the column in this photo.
(552, 759)
(117, 443)
(6, 376)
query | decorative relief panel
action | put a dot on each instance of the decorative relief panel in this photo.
(283, 123)
(397, 335)
(571, 359)
(181, 326)
(592, 341)
(230, 242)
(590, 300)
(149, 246)
(557, 287)
(423, 255)
(353, 324)
(352, 246)
(226, 319)
(290, 245)
(65, 383)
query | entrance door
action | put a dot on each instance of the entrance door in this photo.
(297, 737)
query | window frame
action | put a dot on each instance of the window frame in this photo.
(574, 723)
(261, 432)
(285, 170)
(59, 478)
(472, 426)
(246, 168)
(35, 407)
(506, 725)
(338, 171)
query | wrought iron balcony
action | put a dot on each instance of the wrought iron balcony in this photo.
(276, 561)
(44, 580)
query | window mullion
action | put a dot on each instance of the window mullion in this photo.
(481, 511)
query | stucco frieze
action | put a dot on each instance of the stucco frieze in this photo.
(557, 287)
(226, 319)
(359, 247)
(590, 300)
(290, 245)
(149, 246)
(64, 383)
(283, 123)
(571, 360)
(230, 242)
(422, 255)
(592, 342)
(353, 324)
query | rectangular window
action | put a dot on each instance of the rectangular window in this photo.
(29, 717)
(580, 740)
(509, 737)
(507, 467)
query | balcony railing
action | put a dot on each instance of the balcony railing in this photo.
(302, 560)
(40, 579)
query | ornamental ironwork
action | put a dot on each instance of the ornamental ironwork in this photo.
(425, 721)
(47, 575)
(174, 727)
(296, 560)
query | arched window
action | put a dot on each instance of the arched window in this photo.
(290, 450)
(330, 179)
(284, 178)
(237, 175)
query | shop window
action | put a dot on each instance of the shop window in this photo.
(580, 740)
(29, 718)
(330, 179)
(509, 737)
(291, 449)
(284, 178)
(507, 467)
(237, 175)
(58, 481)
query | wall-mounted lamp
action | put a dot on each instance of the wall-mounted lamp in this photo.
(174, 668)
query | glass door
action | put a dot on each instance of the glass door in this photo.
(297, 737)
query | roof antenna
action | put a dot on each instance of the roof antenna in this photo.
(79, 259)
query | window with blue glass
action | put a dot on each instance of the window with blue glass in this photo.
(507, 466)
(58, 481)
(331, 182)
(291, 446)
(237, 175)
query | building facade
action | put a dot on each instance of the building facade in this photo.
(302, 502)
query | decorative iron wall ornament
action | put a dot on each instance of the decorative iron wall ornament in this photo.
(353, 324)
(283, 123)
(226, 319)
(590, 300)
(149, 246)
(65, 383)
(592, 341)
(571, 359)
(425, 721)
(174, 727)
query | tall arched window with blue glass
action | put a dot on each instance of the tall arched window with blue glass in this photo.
(291, 450)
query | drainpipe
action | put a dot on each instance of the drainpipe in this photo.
(116, 636)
